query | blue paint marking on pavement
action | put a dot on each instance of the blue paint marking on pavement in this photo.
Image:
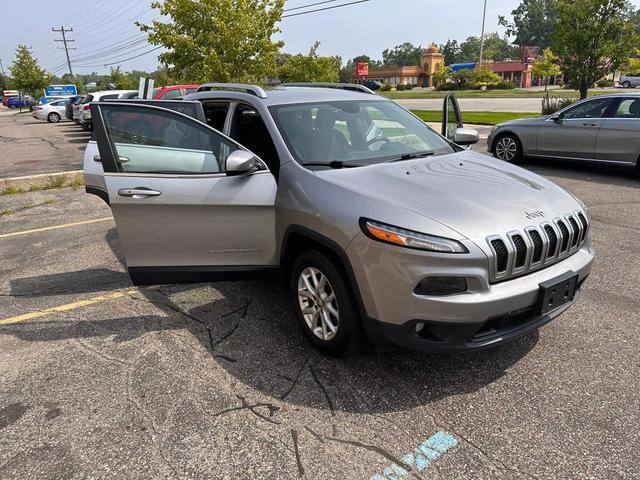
(420, 459)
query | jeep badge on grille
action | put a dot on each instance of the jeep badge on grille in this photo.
(534, 214)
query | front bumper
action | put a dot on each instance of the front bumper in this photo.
(484, 316)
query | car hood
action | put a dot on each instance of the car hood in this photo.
(525, 121)
(473, 194)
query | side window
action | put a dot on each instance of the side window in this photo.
(148, 140)
(216, 114)
(590, 109)
(190, 90)
(109, 97)
(171, 94)
(249, 130)
(628, 108)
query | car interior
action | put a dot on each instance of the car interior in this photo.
(249, 130)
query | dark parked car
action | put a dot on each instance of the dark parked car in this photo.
(69, 109)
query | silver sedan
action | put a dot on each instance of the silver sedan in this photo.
(605, 128)
(52, 112)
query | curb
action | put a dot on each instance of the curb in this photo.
(29, 180)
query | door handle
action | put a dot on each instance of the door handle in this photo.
(138, 192)
(589, 124)
(123, 159)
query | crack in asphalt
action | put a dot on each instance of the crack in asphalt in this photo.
(253, 409)
(295, 379)
(296, 447)
(327, 398)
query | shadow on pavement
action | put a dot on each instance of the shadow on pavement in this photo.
(250, 330)
(606, 174)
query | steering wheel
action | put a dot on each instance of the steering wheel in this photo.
(376, 140)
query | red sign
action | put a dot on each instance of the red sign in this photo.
(362, 69)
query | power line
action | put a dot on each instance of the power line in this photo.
(324, 8)
(310, 5)
(65, 41)
(122, 60)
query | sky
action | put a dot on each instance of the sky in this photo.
(364, 28)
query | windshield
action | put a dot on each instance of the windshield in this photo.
(357, 132)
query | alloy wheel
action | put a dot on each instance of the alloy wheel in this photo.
(318, 303)
(54, 118)
(506, 149)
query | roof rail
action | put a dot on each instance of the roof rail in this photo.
(343, 86)
(252, 89)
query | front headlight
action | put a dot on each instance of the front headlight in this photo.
(383, 232)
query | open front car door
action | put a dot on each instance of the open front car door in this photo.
(187, 200)
(452, 126)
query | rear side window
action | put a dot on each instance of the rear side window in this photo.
(628, 108)
(107, 97)
(171, 94)
(159, 142)
(590, 109)
(216, 114)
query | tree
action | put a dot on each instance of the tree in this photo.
(451, 52)
(546, 67)
(534, 22)
(442, 76)
(217, 40)
(402, 55)
(495, 48)
(593, 39)
(632, 65)
(309, 68)
(27, 75)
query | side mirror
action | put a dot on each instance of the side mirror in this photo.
(466, 136)
(558, 118)
(240, 162)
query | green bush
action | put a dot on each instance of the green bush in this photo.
(605, 83)
(385, 87)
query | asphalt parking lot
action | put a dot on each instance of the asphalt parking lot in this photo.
(100, 379)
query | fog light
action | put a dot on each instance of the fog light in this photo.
(441, 286)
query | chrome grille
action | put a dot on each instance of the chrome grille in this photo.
(520, 252)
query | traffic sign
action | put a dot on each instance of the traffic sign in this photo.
(60, 91)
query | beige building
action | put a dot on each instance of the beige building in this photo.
(430, 62)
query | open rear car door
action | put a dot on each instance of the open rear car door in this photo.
(188, 202)
(452, 126)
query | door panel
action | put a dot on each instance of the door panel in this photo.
(173, 204)
(575, 134)
(198, 221)
(619, 136)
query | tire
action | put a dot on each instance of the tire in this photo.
(331, 322)
(626, 84)
(85, 127)
(53, 117)
(508, 148)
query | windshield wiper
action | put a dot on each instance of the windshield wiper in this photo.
(333, 164)
(411, 156)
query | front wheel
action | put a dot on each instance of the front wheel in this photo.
(53, 118)
(324, 305)
(508, 148)
(626, 84)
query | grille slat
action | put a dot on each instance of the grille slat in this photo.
(520, 252)
(564, 236)
(553, 240)
(502, 254)
(538, 246)
(585, 226)
(576, 232)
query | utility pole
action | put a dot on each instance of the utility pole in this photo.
(484, 16)
(1, 68)
(65, 41)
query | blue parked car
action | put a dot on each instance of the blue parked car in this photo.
(16, 102)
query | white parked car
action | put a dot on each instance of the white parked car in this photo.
(85, 106)
(629, 81)
(52, 112)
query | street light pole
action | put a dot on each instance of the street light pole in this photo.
(484, 16)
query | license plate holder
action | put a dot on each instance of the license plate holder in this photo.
(557, 292)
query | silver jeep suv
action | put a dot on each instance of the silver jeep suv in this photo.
(384, 229)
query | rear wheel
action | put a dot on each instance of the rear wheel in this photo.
(324, 305)
(507, 147)
(53, 117)
(626, 84)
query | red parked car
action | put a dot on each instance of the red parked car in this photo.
(173, 91)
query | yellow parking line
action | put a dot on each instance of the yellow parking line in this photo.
(67, 307)
(55, 227)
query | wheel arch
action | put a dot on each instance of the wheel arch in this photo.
(297, 239)
(501, 134)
